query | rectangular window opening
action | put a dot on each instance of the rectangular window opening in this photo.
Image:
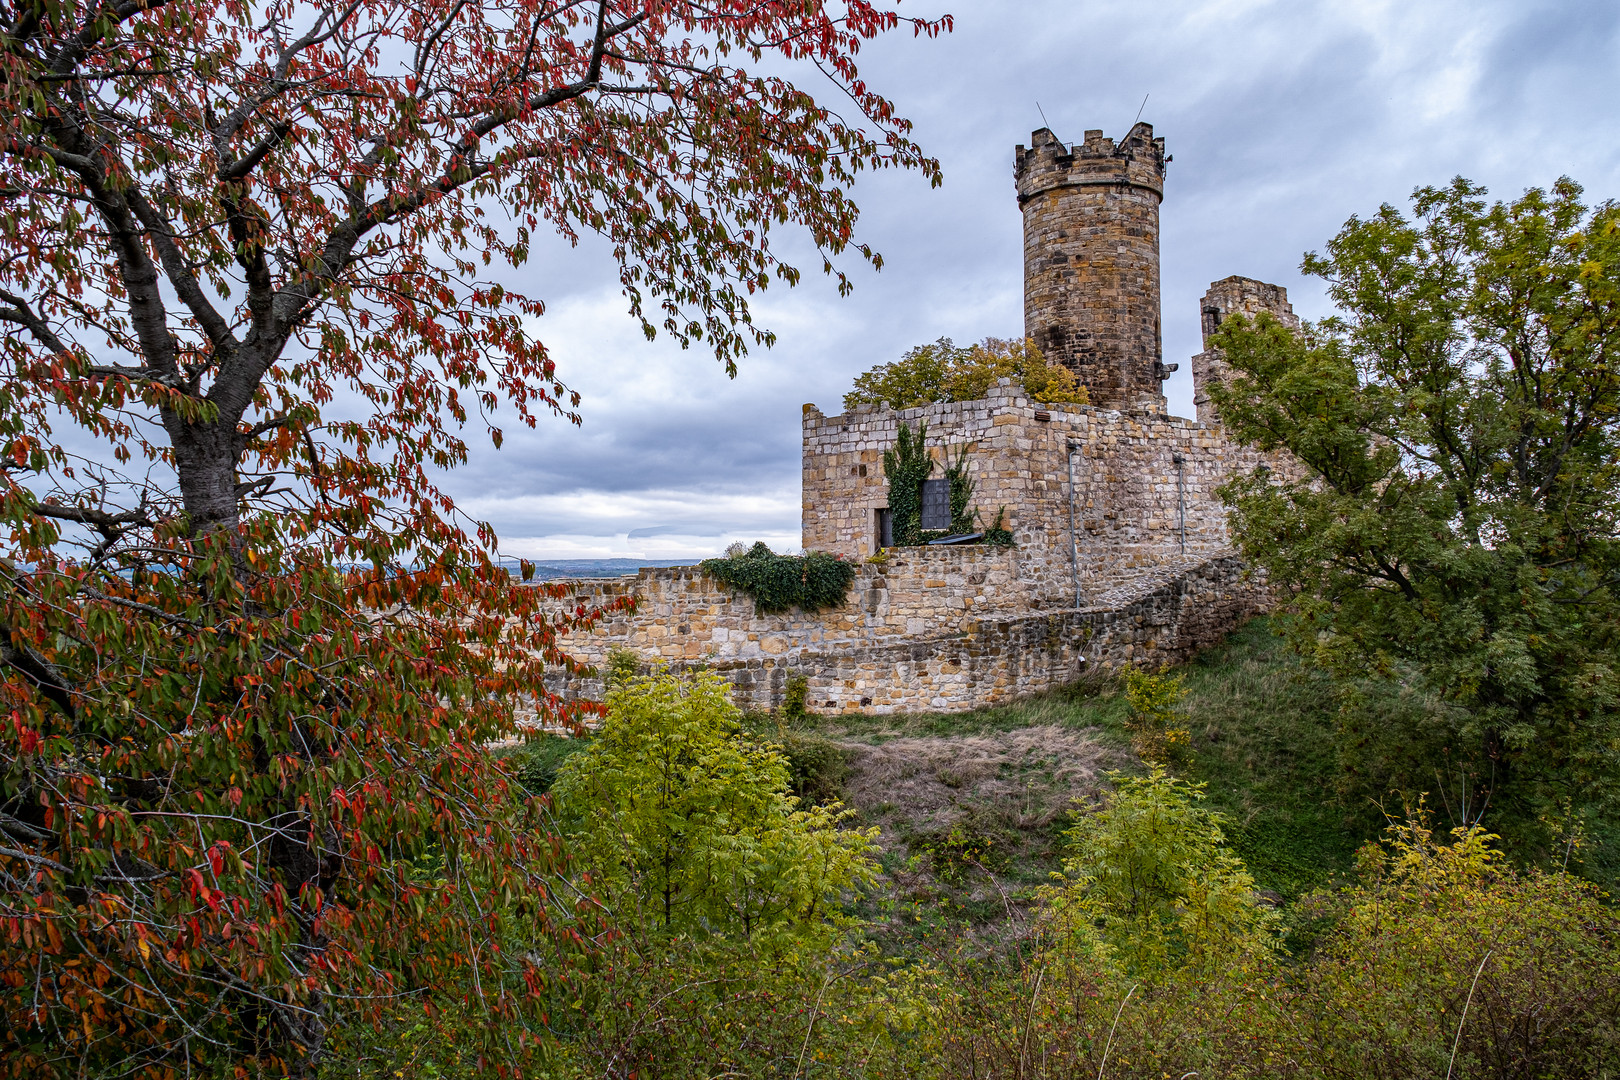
(936, 504)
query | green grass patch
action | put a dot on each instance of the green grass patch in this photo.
(1263, 739)
(1084, 705)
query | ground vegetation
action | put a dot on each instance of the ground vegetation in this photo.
(1040, 902)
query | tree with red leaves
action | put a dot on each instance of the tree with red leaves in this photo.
(251, 261)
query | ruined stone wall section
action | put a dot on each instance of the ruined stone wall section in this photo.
(1226, 297)
(1091, 260)
(1128, 507)
(982, 661)
(683, 615)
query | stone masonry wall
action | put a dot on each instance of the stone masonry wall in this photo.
(1131, 494)
(962, 658)
(683, 615)
(1226, 297)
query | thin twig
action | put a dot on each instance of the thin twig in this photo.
(1115, 1024)
(812, 1025)
(1464, 1017)
(1029, 1019)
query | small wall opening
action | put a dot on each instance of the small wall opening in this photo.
(936, 504)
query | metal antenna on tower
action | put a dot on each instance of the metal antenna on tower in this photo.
(1047, 122)
(1138, 113)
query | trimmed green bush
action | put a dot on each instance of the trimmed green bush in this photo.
(811, 581)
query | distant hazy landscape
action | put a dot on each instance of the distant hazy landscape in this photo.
(587, 568)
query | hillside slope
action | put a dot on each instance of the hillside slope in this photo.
(972, 806)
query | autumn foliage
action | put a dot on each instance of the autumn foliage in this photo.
(255, 276)
(944, 371)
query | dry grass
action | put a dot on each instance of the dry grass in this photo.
(970, 824)
(1033, 774)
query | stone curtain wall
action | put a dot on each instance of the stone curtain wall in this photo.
(923, 633)
(1091, 260)
(1126, 505)
(683, 615)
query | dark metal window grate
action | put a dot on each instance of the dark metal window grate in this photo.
(936, 504)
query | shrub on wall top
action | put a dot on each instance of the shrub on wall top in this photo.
(812, 581)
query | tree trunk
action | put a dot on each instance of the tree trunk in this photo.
(205, 458)
(206, 455)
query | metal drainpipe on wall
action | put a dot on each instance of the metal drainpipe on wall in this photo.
(1181, 497)
(1074, 539)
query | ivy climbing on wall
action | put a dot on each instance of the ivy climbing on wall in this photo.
(811, 581)
(961, 493)
(907, 466)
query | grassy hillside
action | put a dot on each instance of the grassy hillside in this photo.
(973, 805)
(962, 966)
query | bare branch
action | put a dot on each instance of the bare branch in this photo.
(266, 425)
(41, 673)
(21, 313)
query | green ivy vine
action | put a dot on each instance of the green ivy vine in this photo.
(812, 581)
(961, 494)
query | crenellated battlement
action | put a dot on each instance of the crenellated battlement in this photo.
(1091, 260)
(1139, 161)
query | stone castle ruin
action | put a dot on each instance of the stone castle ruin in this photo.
(1120, 551)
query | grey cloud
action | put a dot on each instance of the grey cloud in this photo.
(1284, 119)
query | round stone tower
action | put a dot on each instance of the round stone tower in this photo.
(1091, 261)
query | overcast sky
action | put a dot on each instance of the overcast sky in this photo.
(1284, 118)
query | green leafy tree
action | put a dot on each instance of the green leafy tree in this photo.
(1151, 876)
(1455, 517)
(918, 378)
(687, 827)
(943, 371)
